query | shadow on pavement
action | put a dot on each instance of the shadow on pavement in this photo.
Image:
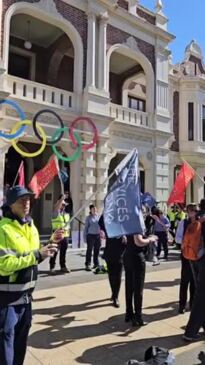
(128, 350)
(46, 273)
(157, 285)
(43, 299)
(57, 333)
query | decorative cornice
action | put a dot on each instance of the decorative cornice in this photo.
(131, 136)
(132, 43)
(49, 7)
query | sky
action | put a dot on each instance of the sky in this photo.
(186, 22)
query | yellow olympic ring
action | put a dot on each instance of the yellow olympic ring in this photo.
(14, 142)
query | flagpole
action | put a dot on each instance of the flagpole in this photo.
(61, 182)
(17, 174)
(59, 173)
(193, 169)
(85, 205)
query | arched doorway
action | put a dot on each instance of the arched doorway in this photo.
(35, 17)
(41, 52)
(130, 78)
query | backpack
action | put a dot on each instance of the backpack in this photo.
(192, 244)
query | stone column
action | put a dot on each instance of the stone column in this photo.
(91, 51)
(102, 69)
(103, 160)
(161, 172)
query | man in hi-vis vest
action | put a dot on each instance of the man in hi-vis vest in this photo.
(60, 220)
(20, 253)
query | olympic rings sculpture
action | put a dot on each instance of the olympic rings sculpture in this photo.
(20, 128)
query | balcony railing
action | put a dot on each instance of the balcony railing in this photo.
(39, 93)
(129, 116)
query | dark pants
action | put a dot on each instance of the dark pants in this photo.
(63, 245)
(162, 241)
(15, 322)
(134, 284)
(172, 229)
(93, 243)
(114, 276)
(197, 316)
(187, 281)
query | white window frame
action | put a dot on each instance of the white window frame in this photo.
(28, 54)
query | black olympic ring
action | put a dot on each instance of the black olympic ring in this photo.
(56, 140)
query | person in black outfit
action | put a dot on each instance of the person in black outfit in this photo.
(134, 264)
(69, 203)
(187, 278)
(149, 220)
(197, 316)
(113, 253)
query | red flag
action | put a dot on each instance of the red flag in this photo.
(44, 176)
(21, 175)
(184, 176)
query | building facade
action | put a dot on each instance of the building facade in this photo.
(105, 59)
(187, 100)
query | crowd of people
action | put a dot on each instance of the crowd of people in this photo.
(21, 252)
(186, 226)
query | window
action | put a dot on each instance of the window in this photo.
(203, 123)
(22, 63)
(190, 121)
(138, 104)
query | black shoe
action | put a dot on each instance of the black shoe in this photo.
(88, 268)
(65, 270)
(138, 322)
(116, 303)
(128, 317)
(181, 310)
(191, 338)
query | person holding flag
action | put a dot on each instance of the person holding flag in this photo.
(20, 253)
(60, 220)
(135, 267)
(123, 217)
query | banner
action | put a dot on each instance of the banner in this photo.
(122, 207)
(21, 175)
(44, 176)
(148, 199)
(184, 177)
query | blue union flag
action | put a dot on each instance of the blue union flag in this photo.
(122, 207)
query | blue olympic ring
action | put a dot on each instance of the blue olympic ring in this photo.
(22, 116)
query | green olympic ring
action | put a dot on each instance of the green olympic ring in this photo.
(76, 155)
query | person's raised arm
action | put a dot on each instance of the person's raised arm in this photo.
(141, 242)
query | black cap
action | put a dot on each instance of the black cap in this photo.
(15, 193)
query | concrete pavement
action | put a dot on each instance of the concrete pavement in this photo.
(75, 323)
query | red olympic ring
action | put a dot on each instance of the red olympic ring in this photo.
(85, 147)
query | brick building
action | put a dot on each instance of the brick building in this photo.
(187, 100)
(106, 59)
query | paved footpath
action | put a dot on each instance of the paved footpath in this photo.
(75, 324)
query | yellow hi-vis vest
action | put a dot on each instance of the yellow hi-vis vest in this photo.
(19, 255)
(171, 215)
(62, 221)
